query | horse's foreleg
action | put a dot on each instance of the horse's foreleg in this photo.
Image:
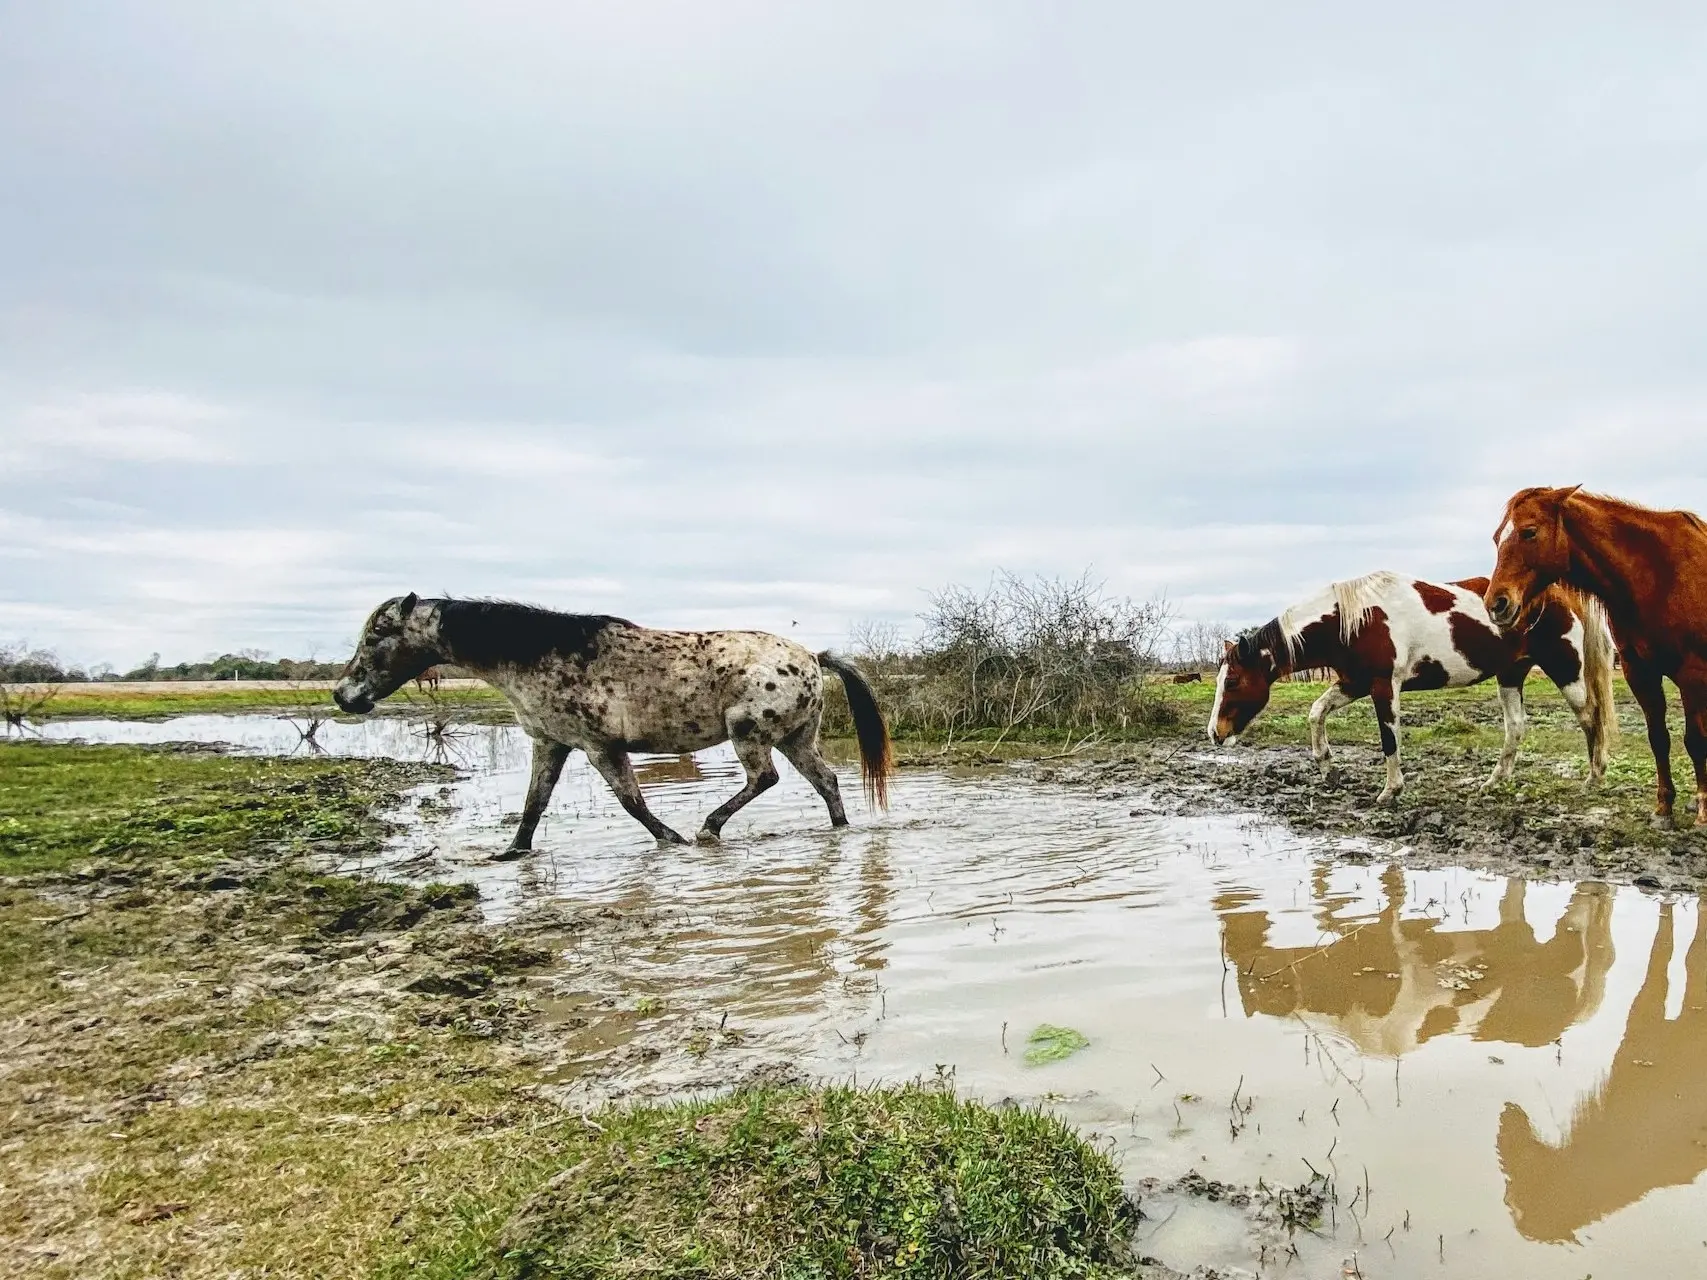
(1333, 698)
(1516, 724)
(1695, 741)
(1650, 695)
(755, 758)
(1385, 695)
(801, 750)
(614, 768)
(548, 758)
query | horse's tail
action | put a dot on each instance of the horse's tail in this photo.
(876, 760)
(1597, 668)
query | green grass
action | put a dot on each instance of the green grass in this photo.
(833, 1182)
(60, 803)
(162, 700)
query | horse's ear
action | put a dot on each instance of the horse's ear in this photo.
(406, 605)
(1228, 650)
(1565, 494)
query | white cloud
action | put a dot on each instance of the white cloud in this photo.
(789, 316)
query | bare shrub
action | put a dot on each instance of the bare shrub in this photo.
(30, 679)
(1199, 646)
(1053, 655)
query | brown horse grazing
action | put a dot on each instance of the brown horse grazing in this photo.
(1382, 634)
(428, 679)
(1649, 569)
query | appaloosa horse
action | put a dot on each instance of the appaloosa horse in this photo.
(1649, 570)
(1382, 633)
(610, 687)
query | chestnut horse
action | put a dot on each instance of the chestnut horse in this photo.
(1649, 569)
(1382, 633)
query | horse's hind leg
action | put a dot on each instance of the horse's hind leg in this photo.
(755, 758)
(614, 768)
(1385, 695)
(801, 750)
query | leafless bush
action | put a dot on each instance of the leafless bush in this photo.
(308, 701)
(1199, 646)
(30, 679)
(1044, 654)
(874, 641)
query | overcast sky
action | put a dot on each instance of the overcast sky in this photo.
(770, 314)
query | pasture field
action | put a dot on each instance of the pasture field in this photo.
(155, 700)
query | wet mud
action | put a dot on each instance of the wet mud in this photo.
(1445, 817)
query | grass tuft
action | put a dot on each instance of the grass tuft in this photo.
(908, 1181)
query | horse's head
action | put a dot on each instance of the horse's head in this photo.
(1534, 552)
(1248, 671)
(396, 645)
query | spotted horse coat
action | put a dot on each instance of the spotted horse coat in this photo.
(1382, 634)
(609, 687)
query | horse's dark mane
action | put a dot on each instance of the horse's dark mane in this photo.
(1251, 641)
(492, 633)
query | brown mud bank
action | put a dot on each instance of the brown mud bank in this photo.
(1546, 823)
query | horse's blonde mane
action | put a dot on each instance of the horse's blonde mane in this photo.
(1354, 600)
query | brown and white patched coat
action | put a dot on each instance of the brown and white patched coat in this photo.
(1382, 634)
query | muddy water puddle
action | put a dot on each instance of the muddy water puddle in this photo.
(1501, 1077)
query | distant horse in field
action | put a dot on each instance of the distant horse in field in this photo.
(610, 687)
(1649, 570)
(428, 680)
(1382, 633)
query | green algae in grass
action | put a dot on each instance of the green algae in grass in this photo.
(909, 1181)
(1052, 1044)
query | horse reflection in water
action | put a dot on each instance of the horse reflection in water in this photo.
(679, 768)
(1388, 984)
(1644, 1128)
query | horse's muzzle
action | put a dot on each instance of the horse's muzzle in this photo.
(1503, 612)
(355, 701)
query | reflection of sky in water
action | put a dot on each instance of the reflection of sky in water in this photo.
(1516, 1065)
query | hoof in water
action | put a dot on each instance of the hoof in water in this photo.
(1387, 797)
(1662, 821)
(512, 854)
(707, 836)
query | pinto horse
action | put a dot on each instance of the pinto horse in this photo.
(610, 687)
(1649, 570)
(1382, 633)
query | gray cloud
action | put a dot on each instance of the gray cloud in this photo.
(765, 314)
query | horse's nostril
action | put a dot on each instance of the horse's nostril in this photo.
(1501, 604)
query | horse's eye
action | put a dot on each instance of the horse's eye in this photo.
(1528, 535)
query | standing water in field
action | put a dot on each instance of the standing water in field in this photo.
(1497, 1075)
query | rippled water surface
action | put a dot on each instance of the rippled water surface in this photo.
(1509, 1077)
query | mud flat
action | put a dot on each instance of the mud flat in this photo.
(1302, 1049)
